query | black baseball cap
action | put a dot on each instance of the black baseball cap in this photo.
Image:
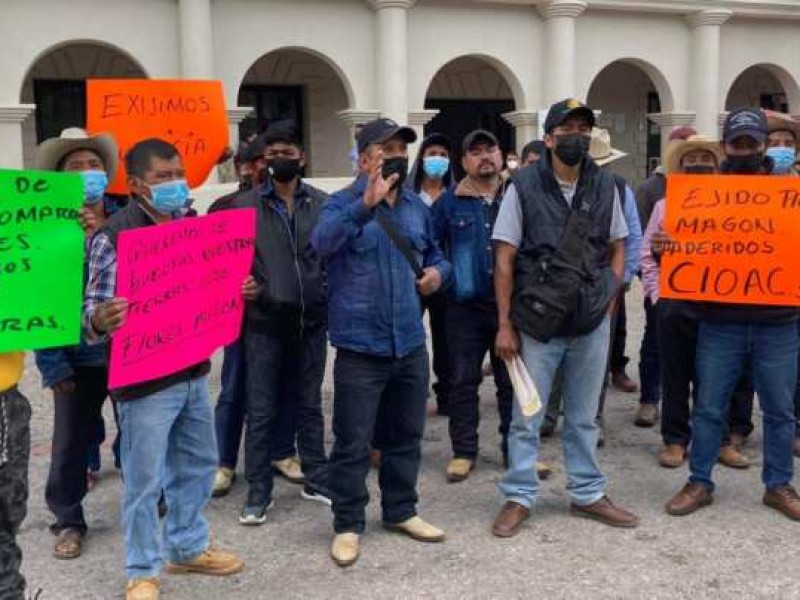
(380, 131)
(479, 136)
(560, 112)
(751, 122)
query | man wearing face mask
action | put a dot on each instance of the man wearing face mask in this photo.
(732, 337)
(166, 423)
(378, 239)
(77, 374)
(431, 177)
(463, 221)
(782, 142)
(559, 263)
(285, 328)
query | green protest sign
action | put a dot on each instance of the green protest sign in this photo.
(41, 259)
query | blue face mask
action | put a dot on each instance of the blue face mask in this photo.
(94, 186)
(169, 198)
(435, 167)
(783, 158)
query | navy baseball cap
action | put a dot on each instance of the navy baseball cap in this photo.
(562, 111)
(380, 131)
(750, 122)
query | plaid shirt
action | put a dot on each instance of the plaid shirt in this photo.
(101, 283)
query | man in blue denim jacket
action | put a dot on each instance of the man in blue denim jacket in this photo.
(375, 322)
(463, 221)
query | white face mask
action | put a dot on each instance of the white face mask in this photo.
(512, 164)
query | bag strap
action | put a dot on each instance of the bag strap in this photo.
(400, 242)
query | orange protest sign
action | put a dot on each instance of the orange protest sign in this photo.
(189, 114)
(734, 239)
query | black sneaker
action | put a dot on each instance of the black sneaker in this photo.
(309, 493)
(254, 515)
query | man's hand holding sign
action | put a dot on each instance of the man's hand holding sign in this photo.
(732, 239)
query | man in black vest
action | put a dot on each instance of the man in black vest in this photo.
(564, 192)
(166, 423)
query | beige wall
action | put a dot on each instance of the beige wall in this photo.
(327, 136)
(620, 92)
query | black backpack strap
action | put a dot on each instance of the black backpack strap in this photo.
(400, 242)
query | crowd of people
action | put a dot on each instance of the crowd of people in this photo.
(527, 256)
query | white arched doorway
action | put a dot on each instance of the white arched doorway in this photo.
(56, 84)
(303, 89)
(473, 92)
(625, 92)
(766, 86)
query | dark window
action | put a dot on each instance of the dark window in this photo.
(776, 101)
(272, 104)
(653, 134)
(60, 104)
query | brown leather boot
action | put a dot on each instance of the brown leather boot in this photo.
(510, 519)
(730, 456)
(623, 383)
(692, 497)
(785, 500)
(646, 415)
(672, 456)
(605, 512)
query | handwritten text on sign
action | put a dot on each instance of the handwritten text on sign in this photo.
(188, 114)
(735, 239)
(183, 282)
(41, 259)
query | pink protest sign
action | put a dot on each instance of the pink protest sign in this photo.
(183, 282)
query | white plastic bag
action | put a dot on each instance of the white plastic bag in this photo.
(524, 390)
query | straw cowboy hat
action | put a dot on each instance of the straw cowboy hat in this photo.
(677, 149)
(600, 148)
(777, 121)
(51, 152)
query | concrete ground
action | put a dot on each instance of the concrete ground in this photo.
(736, 548)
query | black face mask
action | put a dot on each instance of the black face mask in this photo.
(699, 170)
(572, 149)
(283, 170)
(246, 183)
(749, 164)
(397, 165)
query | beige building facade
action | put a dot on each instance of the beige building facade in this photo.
(449, 65)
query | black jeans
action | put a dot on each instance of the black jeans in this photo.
(677, 334)
(619, 336)
(380, 400)
(472, 330)
(649, 365)
(75, 417)
(281, 369)
(437, 305)
(15, 446)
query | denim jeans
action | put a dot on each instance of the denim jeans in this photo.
(15, 448)
(74, 425)
(380, 400)
(230, 409)
(167, 440)
(722, 351)
(283, 370)
(585, 359)
(472, 330)
(649, 366)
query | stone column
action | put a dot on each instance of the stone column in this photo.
(12, 116)
(391, 68)
(669, 121)
(559, 54)
(196, 39)
(704, 68)
(417, 119)
(354, 117)
(525, 125)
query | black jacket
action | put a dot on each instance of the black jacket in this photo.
(294, 294)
